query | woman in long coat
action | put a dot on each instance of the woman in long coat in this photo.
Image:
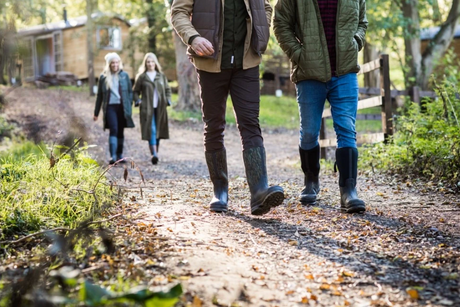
(153, 95)
(115, 97)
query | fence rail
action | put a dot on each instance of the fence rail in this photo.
(383, 96)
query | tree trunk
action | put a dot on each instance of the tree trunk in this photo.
(412, 42)
(439, 45)
(189, 91)
(370, 53)
(152, 41)
(3, 55)
(420, 67)
(90, 32)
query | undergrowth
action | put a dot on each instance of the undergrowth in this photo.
(426, 143)
(62, 194)
(34, 195)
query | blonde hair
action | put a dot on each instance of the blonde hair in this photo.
(143, 68)
(107, 72)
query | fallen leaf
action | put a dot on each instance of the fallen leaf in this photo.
(325, 287)
(413, 294)
(197, 302)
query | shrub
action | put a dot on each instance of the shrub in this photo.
(427, 139)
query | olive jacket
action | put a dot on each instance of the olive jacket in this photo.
(299, 31)
(144, 89)
(205, 18)
(126, 94)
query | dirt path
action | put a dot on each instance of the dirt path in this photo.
(404, 251)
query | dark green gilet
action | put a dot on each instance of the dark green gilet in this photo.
(235, 15)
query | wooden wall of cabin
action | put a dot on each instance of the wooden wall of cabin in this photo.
(75, 51)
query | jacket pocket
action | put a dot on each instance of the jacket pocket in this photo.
(355, 44)
(296, 56)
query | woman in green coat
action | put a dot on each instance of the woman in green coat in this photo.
(153, 95)
(115, 98)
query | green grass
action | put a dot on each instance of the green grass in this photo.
(34, 196)
(278, 112)
(274, 112)
(71, 88)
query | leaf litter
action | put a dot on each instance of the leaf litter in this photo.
(404, 251)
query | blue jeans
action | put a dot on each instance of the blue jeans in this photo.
(342, 94)
(153, 137)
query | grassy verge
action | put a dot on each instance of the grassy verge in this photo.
(34, 196)
(68, 259)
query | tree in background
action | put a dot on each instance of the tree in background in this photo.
(91, 6)
(189, 91)
(391, 21)
(151, 18)
(9, 12)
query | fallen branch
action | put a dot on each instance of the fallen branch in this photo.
(106, 220)
(55, 229)
(33, 235)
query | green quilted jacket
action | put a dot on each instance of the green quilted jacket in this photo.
(299, 31)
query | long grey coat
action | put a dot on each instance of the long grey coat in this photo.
(144, 87)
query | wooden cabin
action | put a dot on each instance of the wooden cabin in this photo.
(426, 35)
(62, 46)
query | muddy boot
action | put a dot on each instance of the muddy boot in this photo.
(120, 150)
(347, 163)
(113, 145)
(153, 152)
(309, 161)
(217, 166)
(263, 198)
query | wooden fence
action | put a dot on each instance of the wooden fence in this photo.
(382, 96)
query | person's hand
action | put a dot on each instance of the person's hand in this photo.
(95, 118)
(202, 46)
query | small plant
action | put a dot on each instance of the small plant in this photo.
(5, 128)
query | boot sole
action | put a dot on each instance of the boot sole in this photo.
(154, 160)
(218, 208)
(308, 200)
(272, 200)
(353, 209)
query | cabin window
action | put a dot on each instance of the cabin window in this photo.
(109, 37)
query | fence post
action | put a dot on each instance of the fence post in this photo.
(415, 94)
(387, 112)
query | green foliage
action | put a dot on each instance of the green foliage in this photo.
(95, 295)
(5, 127)
(427, 139)
(33, 195)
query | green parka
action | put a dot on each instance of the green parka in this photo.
(144, 88)
(126, 94)
(299, 31)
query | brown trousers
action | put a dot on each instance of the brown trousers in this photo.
(243, 87)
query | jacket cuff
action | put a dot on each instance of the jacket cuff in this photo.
(190, 40)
